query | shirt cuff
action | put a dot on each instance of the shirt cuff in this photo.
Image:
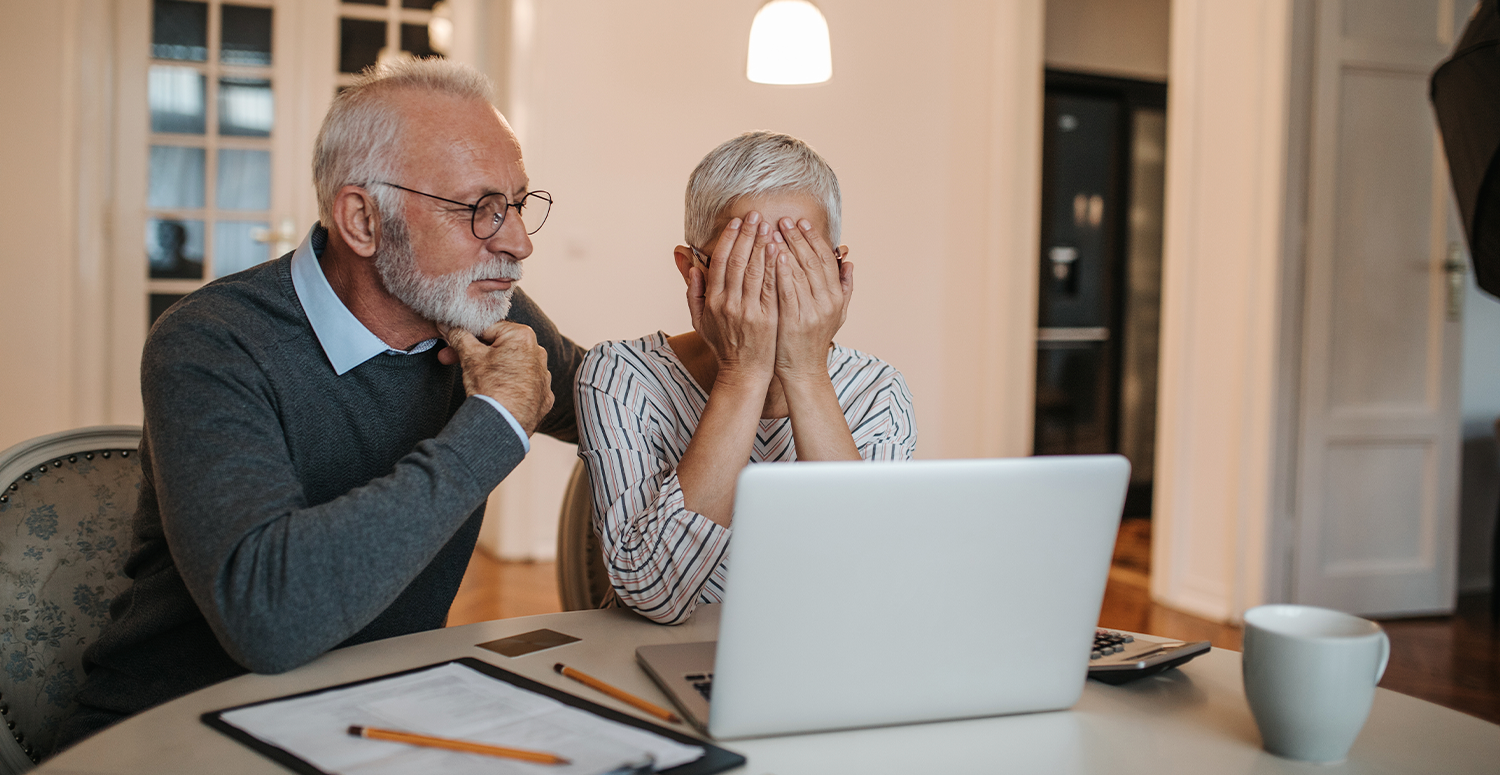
(525, 442)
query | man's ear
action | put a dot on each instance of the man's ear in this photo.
(357, 219)
(684, 258)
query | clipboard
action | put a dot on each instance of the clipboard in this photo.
(714, 759)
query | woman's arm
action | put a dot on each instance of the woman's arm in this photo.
(662, 558)
(733, 307)
(814, 291)
(721, 446)
(819, 428)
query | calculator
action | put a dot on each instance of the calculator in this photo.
(1121, 657)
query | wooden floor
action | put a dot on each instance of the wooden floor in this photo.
(1453, 661)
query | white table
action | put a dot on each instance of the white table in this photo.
(1192, 720)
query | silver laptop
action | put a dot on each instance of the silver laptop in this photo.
(863, 594)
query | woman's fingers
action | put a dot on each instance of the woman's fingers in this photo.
(695, 296)
(817, 257)
(755, 267)
(714, 279)
(738, 256)
(846, 280)
(788, 288)
(795, 282)
(738, 319)
(769, 286)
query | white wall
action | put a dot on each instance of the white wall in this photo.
(37, 202)
(931, 121)
(1223, 306)
(1125, 38)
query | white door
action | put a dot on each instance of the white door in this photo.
(218, 104)
(1378, 451)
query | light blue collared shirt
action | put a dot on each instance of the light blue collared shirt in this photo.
(345, 340)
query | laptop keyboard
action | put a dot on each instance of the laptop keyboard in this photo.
(703, 682)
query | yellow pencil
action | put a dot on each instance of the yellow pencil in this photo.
(619, 694)
(540, 757)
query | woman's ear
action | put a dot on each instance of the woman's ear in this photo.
(684, 258)
(357, 220)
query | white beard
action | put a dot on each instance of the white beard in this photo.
(443, 299)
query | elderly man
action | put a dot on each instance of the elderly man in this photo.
(315, 463)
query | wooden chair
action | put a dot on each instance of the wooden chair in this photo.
(1495, 551)
(582, 581)
(65, 529)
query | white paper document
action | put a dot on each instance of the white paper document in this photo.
(452, 701)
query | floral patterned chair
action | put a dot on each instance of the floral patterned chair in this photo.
(65, 521)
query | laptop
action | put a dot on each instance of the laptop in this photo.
(864, 594)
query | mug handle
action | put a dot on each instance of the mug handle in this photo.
(1385, 655)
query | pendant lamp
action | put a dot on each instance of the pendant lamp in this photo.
(789, 44)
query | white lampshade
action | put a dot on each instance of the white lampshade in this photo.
(789, 44)
(440, 28)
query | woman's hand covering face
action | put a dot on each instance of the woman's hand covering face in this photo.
(733, 304)
(813, 290)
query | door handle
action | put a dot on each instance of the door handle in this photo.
(1062, 258)
(1072, 334)
(1456, 268)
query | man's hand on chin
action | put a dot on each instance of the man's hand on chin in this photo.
(506, 364)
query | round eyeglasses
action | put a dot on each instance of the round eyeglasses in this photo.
(488, 214)
(838, 255)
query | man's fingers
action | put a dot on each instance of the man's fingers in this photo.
(502, 329)
(548, 399)
(462, 341)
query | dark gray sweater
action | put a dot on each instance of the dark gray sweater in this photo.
(286, 511)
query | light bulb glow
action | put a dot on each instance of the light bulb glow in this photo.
(440, 28)
(789, 44)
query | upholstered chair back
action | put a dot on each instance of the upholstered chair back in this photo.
(65, 526)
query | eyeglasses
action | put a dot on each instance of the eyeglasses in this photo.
(838, 255)
(488, 214)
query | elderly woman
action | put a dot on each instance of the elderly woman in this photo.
(667, 422)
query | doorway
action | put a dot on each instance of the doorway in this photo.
(1099, 289)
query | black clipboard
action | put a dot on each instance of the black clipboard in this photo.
(714, 759)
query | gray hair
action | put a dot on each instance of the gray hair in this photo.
(360, 141)
(755, 164)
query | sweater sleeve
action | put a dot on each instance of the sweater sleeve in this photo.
(662, 558)
(281, 580)
(563, 358)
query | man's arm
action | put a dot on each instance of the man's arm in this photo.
(281, 580)
(563, 358)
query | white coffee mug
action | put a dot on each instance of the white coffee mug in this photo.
(1310, 676)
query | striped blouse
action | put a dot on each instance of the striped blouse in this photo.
(637, 409)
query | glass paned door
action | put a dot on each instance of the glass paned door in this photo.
(210, 93)
(374, 31)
